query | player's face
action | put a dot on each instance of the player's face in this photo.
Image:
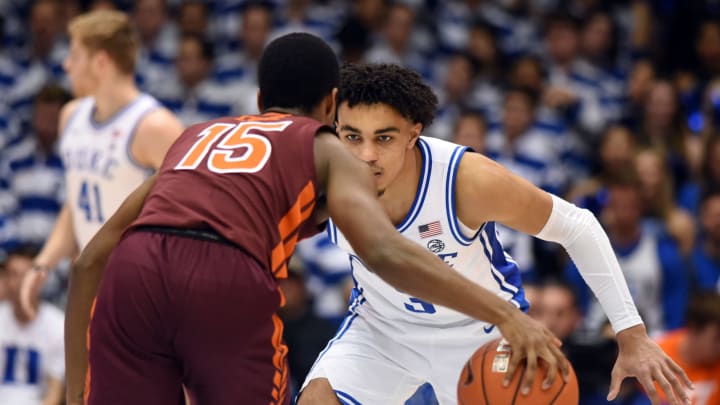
(78, 67)
(380, 136)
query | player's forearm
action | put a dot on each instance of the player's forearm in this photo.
(84, 282)
(417, 272)
(579, 232)
(61, 243)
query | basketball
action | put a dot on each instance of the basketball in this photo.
(481, 381)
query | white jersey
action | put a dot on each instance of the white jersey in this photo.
(99, 168)
(432, 222)
(29, 354)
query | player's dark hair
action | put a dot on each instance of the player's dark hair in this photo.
(396, 86)
(296, 71)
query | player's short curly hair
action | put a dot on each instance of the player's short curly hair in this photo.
(297, 71)
(396, 86)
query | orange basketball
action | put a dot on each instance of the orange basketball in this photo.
(481, 381)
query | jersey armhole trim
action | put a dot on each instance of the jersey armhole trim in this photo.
(453, 220)
(131, 138)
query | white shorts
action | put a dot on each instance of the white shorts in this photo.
(373, 361)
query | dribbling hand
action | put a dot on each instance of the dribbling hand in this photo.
(531, 341)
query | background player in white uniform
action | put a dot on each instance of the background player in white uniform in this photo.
(447, 200)
(112, 136)
(32, 356)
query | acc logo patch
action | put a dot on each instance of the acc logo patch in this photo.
(436, 245)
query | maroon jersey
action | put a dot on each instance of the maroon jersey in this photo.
(251, 179)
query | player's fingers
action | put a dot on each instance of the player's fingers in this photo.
(530, 368)
(616, 379)
(678, 371)
(650, 390)
(564, 366)
(666, 387)
(678, 390)
(515, 358)
(551, 373)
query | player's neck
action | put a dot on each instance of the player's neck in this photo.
(400, 194)
(110, 97)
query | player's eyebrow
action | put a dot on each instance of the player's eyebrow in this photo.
(386, 130)
(346, 127)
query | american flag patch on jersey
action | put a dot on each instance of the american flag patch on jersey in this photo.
(431, 229)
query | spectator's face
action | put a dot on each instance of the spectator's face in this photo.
(398, 26)
(78, 67)
(710, 218)
(518, 113)
(255, 30)
(149, 17)
(708, 46)
(641, 79)
(379, 136)
(557, 311)
(649, 167)
(562, 43)
(623, 210)
(45, 122)
(44, 24)
(16, 267)
(193, 19)
(597, 36)
(705, 342)
(661, 104)
(481, 46)
(617, 150)
(191, 66)
(527, 73)
(370, 12)
(470, 132)
(458, 79)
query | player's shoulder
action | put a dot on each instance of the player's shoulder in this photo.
(479, 172)
(159, 120)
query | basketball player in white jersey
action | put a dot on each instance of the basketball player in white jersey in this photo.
(112, 136)
(448, 200)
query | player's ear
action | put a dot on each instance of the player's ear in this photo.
(259, 101)
(415, 132)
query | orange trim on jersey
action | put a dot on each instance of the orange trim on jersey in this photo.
(86, 394)
(279, 390)
(288, 228)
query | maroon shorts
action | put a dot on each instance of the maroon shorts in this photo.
(176, 311)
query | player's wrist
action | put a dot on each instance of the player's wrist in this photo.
(631, 334)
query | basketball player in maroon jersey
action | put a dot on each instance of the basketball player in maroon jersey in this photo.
(189, 294)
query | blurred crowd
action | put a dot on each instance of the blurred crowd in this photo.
(611, 104)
